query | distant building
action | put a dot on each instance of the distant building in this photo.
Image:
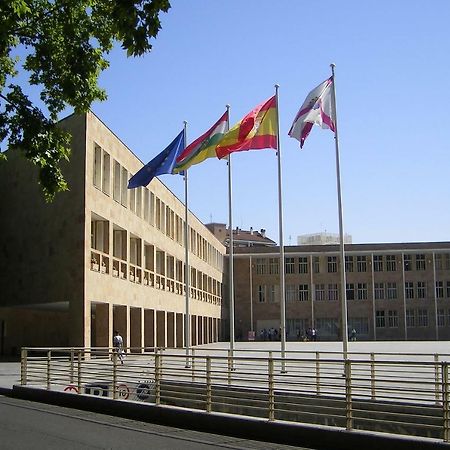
(322, 239)
(241, 238)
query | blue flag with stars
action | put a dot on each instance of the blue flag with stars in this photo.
(159, 165)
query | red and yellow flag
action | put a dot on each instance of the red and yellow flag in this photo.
(257, 130)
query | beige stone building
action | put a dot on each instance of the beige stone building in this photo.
(102, 257)
(394, 291)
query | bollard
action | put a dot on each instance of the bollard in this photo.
(72, 357)
(23, 367)
(348, 394)
(208, 384)
(157, 379)
(114, 376)
(271, 390)
(79, 372)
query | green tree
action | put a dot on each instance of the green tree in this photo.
(60, 46)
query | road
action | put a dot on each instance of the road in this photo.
(30, 425)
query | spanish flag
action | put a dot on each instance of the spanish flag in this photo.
(257, 130)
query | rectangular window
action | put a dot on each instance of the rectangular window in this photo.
(106, 175)
(407, 263)
(361, 264)
(146, 204)
(349, 263)
(261, 294)
(438, 261)
(447, 261)
(362, 291)
(392, 319)
(359, 324)
(421, 289)
(273, 266)
(290, 265)
(124, 187)
(291, 293)
(97, 167)
(332, 264)
(271, 297)
(320, 292)
(422, 317)
(132, 200)
(441, 317)
(303, 291)
(116, 187)
(316, 264)
(303, 264)
(409, 289)
(448, 289)
(261, 266)
(391, 291)
(439, 289)
(378, 263)
(139, 201)
(333, 292)
(391, 263)
(380, 321)
(410, 318)
(379, 291)
(420, 262)
(350, 290)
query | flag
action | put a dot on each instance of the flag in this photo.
(159, 165)
(317, 109)
(203, 147)
(257, 130)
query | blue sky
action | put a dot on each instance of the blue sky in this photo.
(392, 70)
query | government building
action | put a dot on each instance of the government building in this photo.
(101, 257)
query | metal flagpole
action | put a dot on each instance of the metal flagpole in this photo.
(231, 247)
(187, 270)
(341, 226)
(280, 218)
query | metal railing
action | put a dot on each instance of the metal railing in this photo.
(376, 392)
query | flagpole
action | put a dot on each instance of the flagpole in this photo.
(187, 270)
(230, 247)
(280, 226)
(341, 226)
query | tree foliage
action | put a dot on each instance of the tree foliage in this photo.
(59, 47)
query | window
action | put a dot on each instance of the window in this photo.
(391, 263)
(97, 166)
(333, 292)
(273, 266)
(303, 291)
(438, 261)
(409, 289)
(261, 266)
(407, 262)
(303, 264)
(392, 319)
(349, 263)
(447, 261)
(380, 321)
(379, 291)
(410, 318)
(271, 297)
(421, 289)
(124, 187)
(391, 291)
(378, 263)
(439, 289)
(138, 201)
(420, 262)
(290, 265)
(327, 328)
(362, 291)
(261, 294)
(350, 290)
(291, 293)
(116, 182)
(332, 264)
(316, 264)
(422, 317)
(360, 324)
(320, 292)
(448, 289)
(441, 317)
(361, 264)
(106, 175)
(133, 200)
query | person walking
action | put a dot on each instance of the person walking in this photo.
(118, 345)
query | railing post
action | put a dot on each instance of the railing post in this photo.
(372, 375)
(79, 372)
(72, 357)
(193, 364)
(23, 366)
(157, 379)
(49, 360)
(348, 394)
(445, 402)
(271, 390)
(437, 379)
(318, 373)
(230, 365)
(208, 384)
(114, 375)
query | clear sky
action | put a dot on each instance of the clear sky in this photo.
(392, 72)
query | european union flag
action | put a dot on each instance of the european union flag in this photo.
(160, 164)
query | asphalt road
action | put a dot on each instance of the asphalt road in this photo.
(30, 425)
